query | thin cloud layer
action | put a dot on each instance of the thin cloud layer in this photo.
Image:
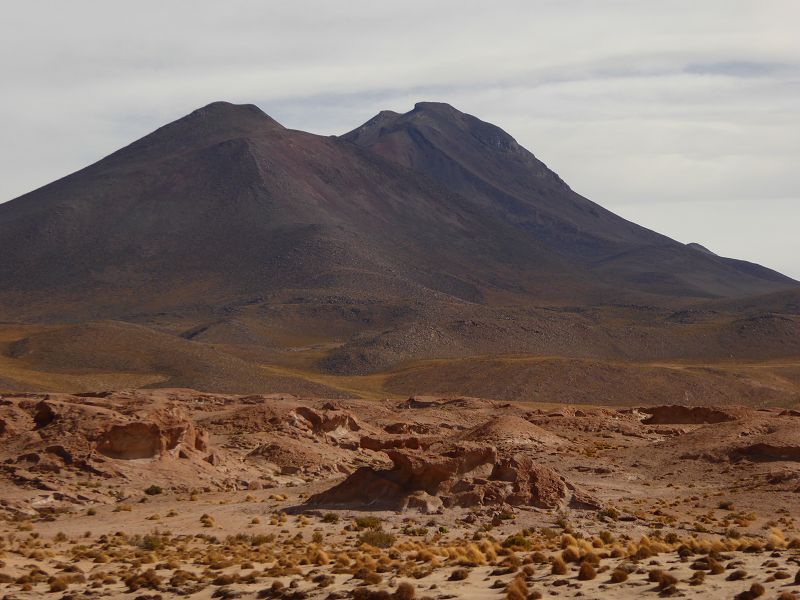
(682, 116)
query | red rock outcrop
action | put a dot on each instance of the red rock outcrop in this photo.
(327, 421)
(132, 441)
(453, 474)
(159, 432)
(767, 452)
(686, 415)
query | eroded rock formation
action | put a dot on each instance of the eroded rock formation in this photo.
(451, 474)
(686, 415)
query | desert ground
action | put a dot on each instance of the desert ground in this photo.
(171, 492)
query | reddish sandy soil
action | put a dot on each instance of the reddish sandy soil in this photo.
(172, 492)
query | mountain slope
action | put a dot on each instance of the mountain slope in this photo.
(482, 162)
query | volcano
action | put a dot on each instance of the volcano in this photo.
(417, 235)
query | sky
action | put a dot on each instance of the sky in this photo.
(683, 116)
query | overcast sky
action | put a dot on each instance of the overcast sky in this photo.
(683, 116)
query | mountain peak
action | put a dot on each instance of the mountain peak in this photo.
(440, 113)
(222, 109)
(210, 124)
(439, 107)
(227, 113)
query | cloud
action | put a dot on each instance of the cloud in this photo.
(741, 69)
(650, 108)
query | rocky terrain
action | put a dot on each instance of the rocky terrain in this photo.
(173, 492)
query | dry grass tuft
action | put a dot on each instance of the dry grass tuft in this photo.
(559, 567)
(618, 576)
(587, 572)
(517, 589)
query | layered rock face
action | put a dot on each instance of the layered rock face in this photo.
(153, 438)
(687, 415)
(148, 434)
(50, 440)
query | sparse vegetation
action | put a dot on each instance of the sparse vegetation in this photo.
(377, 538)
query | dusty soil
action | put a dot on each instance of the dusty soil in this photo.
(168, 493)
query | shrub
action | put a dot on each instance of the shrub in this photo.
(517, 589)
(368, 523)
(559, 566)
(368, 576)
(733, 533)
(571, 554)
(148, 579)
(58, 584)
(151, 542)
(618, 576)
(517, 541)
(586, 572)
(610, 512)
(377, 538)
(663, 579)
(153, 490)
(405, 591)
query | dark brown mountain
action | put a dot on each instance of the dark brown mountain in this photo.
(226, 204)
(424, 235)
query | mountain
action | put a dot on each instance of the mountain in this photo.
(415, 236)
(225, 204)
